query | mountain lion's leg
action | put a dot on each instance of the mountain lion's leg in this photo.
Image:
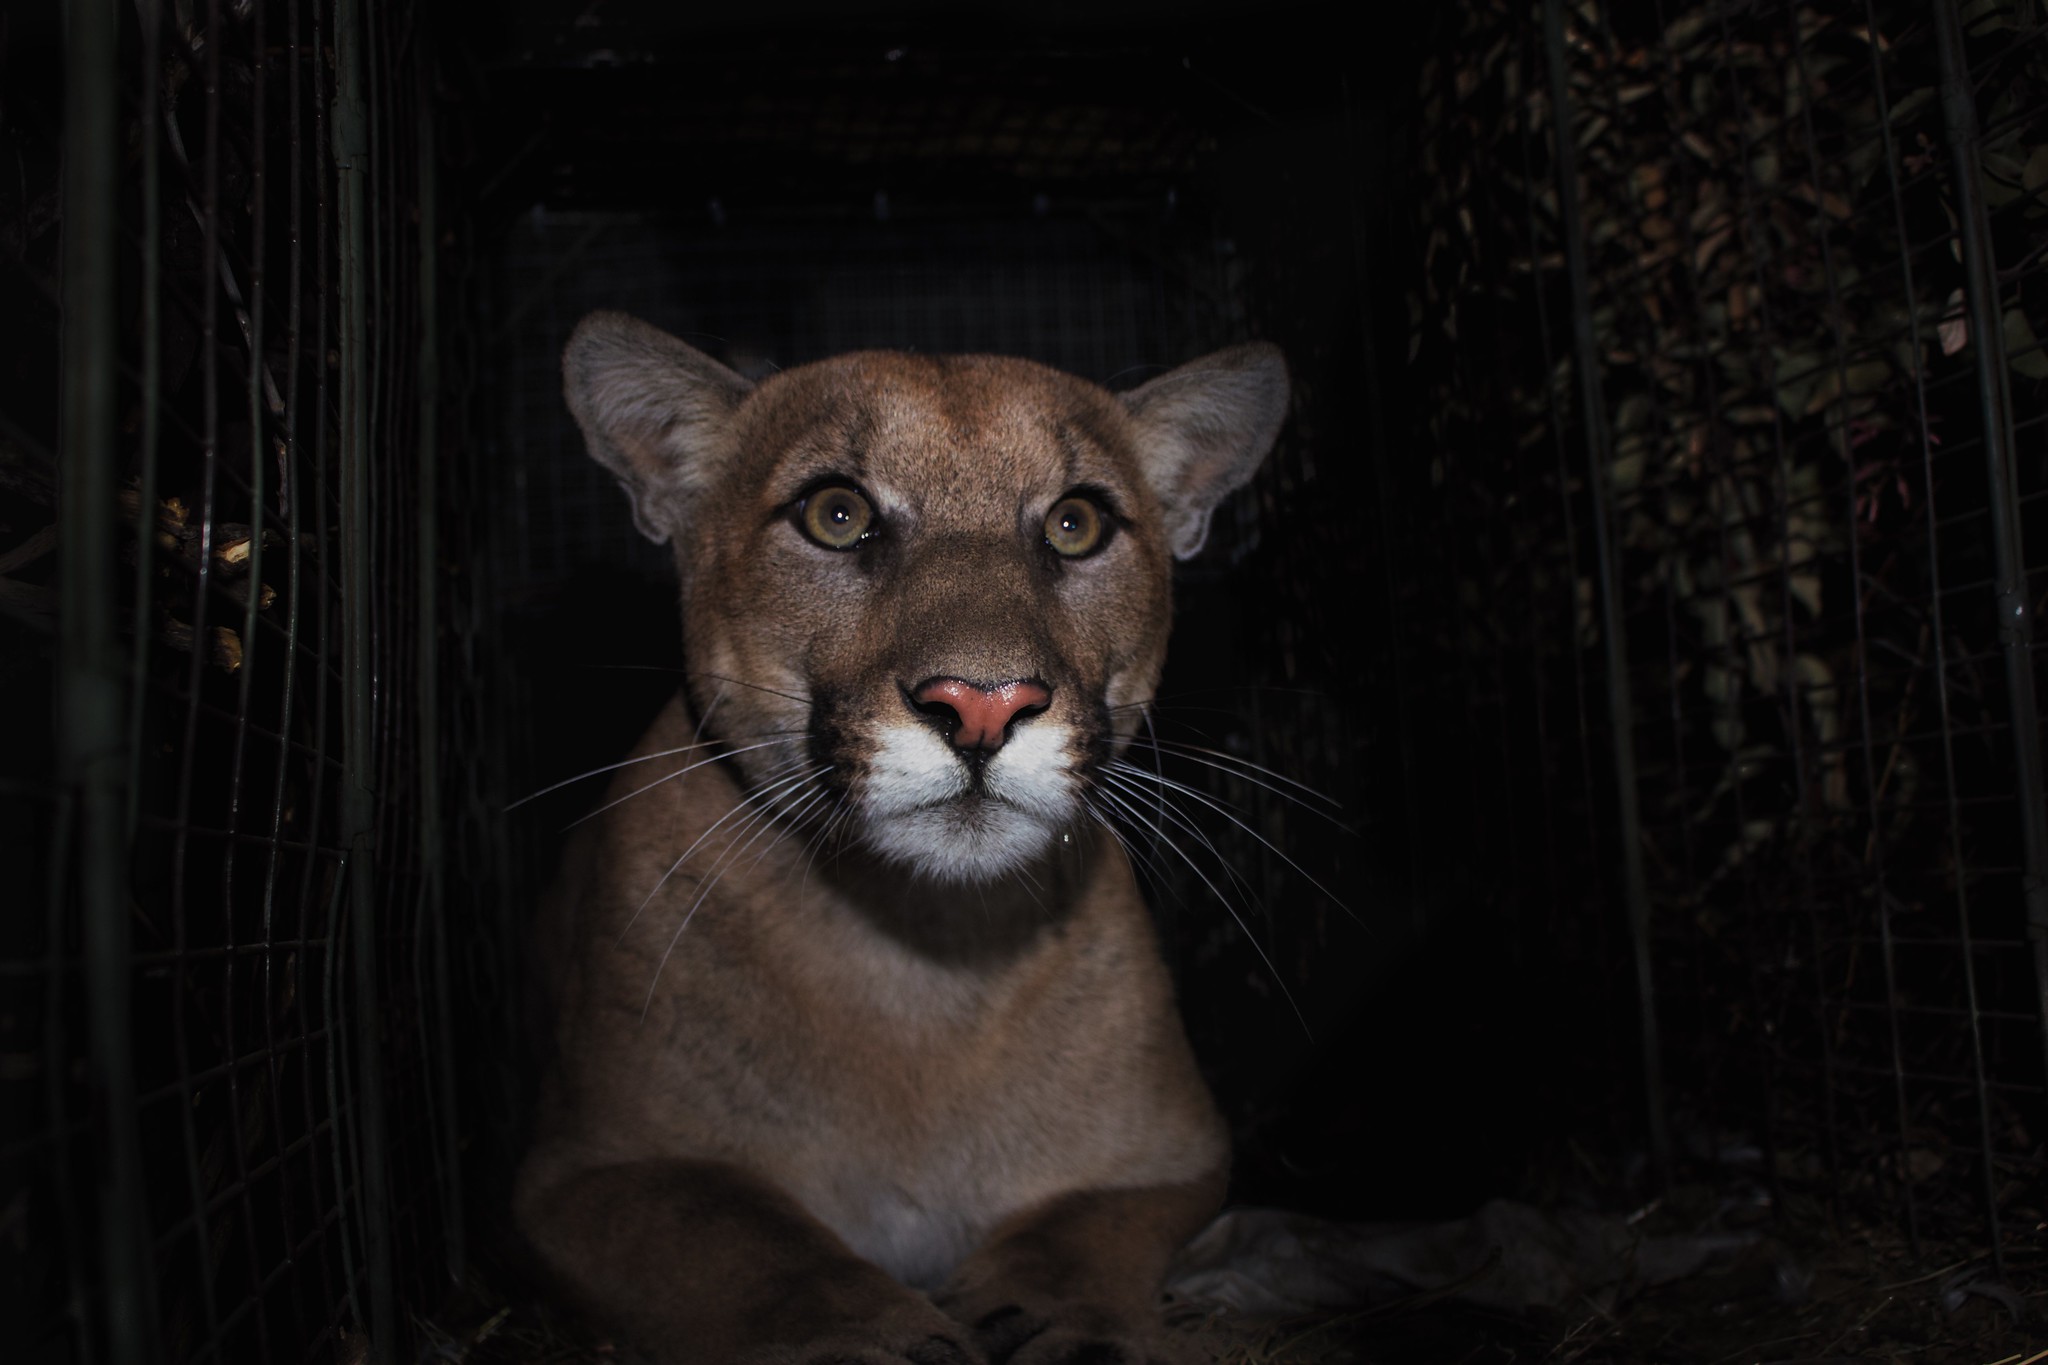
(1078, 1279)
(705, 1264)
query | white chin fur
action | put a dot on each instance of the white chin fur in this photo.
(912, 812)
(948, 844)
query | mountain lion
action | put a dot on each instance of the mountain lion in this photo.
(862, 1047)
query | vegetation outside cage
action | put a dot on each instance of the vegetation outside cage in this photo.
(1808, 297)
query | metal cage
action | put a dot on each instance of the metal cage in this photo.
(1649, 574)
(232, 1132)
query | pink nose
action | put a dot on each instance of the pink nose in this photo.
(982, 714)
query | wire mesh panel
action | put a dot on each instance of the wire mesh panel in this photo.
(1774, 440)
(226, 1112)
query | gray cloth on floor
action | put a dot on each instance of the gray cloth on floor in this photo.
(1507, 1256)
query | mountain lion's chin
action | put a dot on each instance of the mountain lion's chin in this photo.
(966, 840)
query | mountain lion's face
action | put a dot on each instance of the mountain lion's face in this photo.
(925, 597)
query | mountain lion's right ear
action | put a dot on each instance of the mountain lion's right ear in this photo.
(653, 411)
(1202, 431)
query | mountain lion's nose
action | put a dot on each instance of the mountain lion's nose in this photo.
(978, 717)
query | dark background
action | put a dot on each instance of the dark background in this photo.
(1112, 190)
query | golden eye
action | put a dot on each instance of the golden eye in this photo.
(1074, 527)
(837, 517)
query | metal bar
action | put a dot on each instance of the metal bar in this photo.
(359, 804)
(1568, 522)
(340, 1105)
(151, 21)
(1593, 405)
(2015, 623)
(314, 493)
(1383, 484)
(250, 308)
(195, 677)
(90, 712)
(289, 502)
(1887, 945)
(434, 907)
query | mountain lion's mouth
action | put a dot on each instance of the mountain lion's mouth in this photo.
(965, 839)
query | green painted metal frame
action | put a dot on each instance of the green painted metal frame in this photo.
(1986, 313)
(431, 957)
(92, 757)
(1620, 707)
(352, 149)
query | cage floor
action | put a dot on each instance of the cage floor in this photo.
(1797, 1296)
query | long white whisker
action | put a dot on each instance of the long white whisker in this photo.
(817, 842)
(758, 687)
(1244, 768)
(1257, 947)
(680, 772)
(764, 820)
(835, 823)
(629, 762)
(792, 822)
(1134, 794)
(1158, 758)
(1224, 810)
(1131, 850)
(745, 803)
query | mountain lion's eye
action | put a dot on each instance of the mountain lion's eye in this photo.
(1075, 527)
(836, 517)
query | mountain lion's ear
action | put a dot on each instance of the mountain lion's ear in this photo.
(1202, 431)
(653, 411)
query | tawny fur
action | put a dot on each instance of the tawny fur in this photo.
(853, 1081)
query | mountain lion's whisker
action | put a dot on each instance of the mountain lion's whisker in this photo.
(1128, 772)
(791, 823)
(629, 762)
(1242, 767)
(746, 803)
(816, 843)
(1253, 938)
(762, 821)
(680, 772)
(1133, 795)
(742, 682)
(1130, 847)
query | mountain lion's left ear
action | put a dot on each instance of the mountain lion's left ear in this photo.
(1202, 431)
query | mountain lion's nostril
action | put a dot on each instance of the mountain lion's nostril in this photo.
(976, 717)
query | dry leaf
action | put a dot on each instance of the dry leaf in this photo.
(2022, 348)
(1955, 325)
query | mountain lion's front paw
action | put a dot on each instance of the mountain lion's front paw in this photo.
(1051, 1333)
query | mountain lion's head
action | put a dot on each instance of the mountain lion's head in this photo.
(924, 595)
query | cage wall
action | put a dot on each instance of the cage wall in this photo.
(226, 1130)
(1730, 385)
